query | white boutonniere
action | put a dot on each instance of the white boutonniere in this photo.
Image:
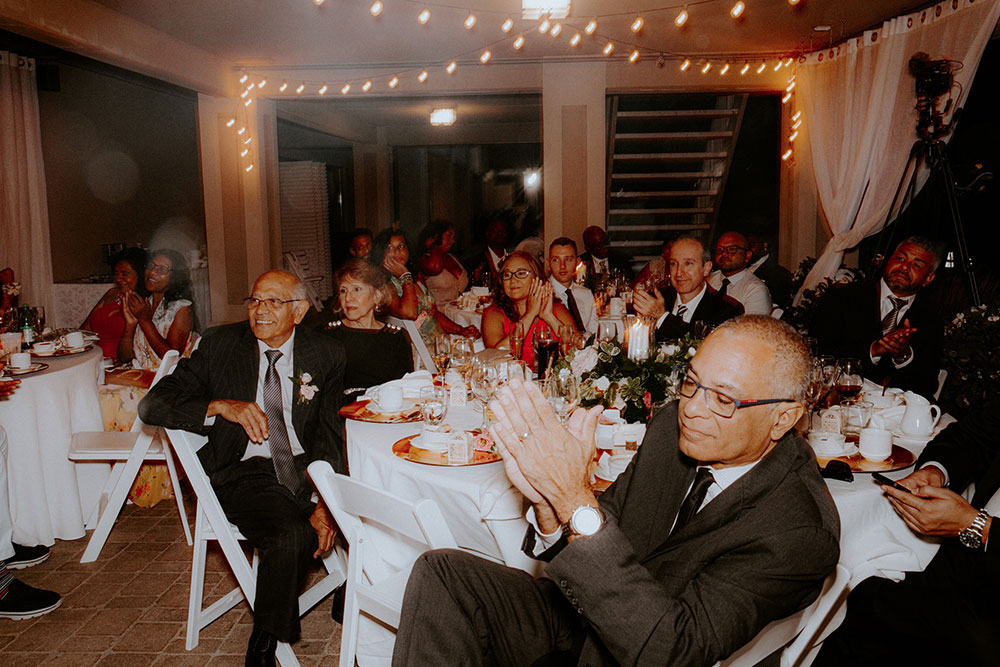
(306, 390)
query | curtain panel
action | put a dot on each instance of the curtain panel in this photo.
(859, 111)
(24, 217)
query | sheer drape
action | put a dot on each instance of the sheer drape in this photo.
(24, 216)
(858, 103)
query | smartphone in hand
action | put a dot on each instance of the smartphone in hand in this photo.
(879, 478)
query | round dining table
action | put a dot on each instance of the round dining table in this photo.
(463, 317)
(50, 496)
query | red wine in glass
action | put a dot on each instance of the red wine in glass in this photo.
(848, 390)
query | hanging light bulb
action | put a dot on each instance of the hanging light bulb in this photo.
(556, 29)
(248, 102)
(244, 94)
(796, 124)
(346, 89)
(591, 27)
(681, 18)
(508, 25)
(470, 22)
(575, 39)
(367, 85)
(263, 82)
(243, 79)
(787, 154)
(685, 65)
(777, 65)
(793, 136)
(788, 63)
(634, 56)
(283, 86)
(744, 69)
(608, 48)
(706, 68)
(241, 130)
(784, 100)
(452, 66)
(485, 57)
(298, 91)
(376, 8)
(230, 122)
(790, 87)
(796, 115)
(544, 26)
(519, 42)
(250, 166)
(393, 82)
(244, 152)
(793, 2)
(424, 16)
(761, 68)
(323, 89)
(725, 68)
(737, 10)
(422, 77)
(248, 140)
(637, 24)
(318, 2)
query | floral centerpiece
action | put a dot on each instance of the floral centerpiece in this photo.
(609, 378)
(971, 342)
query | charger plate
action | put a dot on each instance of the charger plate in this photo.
(899, 458)
(404, 450)
(359, 411)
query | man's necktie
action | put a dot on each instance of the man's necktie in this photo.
(574, 310)
(281, 449)
(681, 309)
(725, 287)
(696, 496)
(889, 321)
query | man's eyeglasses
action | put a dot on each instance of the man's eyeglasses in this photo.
(520, 274)
(730, 250)
(273, 304)
(159, 269)
(722, 404)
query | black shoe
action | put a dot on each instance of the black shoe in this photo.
(22, 601)
(337, 612)
(260, 650)
(27, 556)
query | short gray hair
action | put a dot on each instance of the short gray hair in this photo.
(791, 362)
(935, 249)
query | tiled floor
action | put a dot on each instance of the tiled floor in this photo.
(129, 607)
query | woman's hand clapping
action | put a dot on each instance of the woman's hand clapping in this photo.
(136, 308)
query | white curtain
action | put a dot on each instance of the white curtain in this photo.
(859, 114)
(24, 215)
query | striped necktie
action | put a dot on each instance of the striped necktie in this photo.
(889, 321)
(277, 440)
(681, 309)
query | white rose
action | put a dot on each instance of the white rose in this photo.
(691, 351)
(584, 361)
(306, 378)
(619, 403)
(672, 349)
(602, 383)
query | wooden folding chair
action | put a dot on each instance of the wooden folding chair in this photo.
(128, 451)
(211, 524)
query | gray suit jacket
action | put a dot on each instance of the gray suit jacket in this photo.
(757, 552)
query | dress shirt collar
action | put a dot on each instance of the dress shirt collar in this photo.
(691, 305)
(495, 258)
(885, 305)
(600, 265)
(736, 277)
(559, 288)
(726, 477)
(285, 349)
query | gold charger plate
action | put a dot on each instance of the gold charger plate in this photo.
(359, 411)
(404, 450)
(63, 352)
(36, 367)
(899, 458)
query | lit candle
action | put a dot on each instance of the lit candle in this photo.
(581, 272)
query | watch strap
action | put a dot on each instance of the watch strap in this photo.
(972, 536)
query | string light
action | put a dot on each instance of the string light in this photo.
(241, 130)
(760, 69)
(508, 25)
(323, 89)
(283, 86)
(745, 68)
(250, 167)
(793, 2)
(298, 91)
(248, 102)
(737, 10)
(243, 79)
(544, 26)
(608, 48)
(682, 17)
(787, 154)
(634, 56)
(519, 42)
(250, 87)
(263, 82)
(685, 65)
(367, 85)
(244, 153)
(790, 88)
(318, 2)
(485, 58)
(422, 77)
(424, 16)
(591, 27)
(637, 24)
(575, 39)
(393, 82)
(556, 29)
(796, 115)
(346, 89)
(788, 63)
(784, 100)
(376, 8)
(452, 66)
(792, 136)
(244, 94)
(796, 124)
(725, 68)
(777, 66)
(248, 140)
(470, 22)
(706, 68)
(230, 122)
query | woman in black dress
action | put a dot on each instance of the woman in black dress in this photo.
(376, 352)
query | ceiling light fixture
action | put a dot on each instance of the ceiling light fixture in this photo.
(376, 8)
(283, 86)
(508, 25)
(518, 42)
(452, 66)
(575, 39)
(442, 117)
(556, 29)
(760, 69)
(318, 2)
(685, 65)
(725, 68)
(298, 91)
(634, 56)
(532, 179)
(737, 10)
(422, 77)
(544, 26)
(424, 16)
(608, 48)
(591, 27)
(231, 122)
(681, 18)
(367, 85)
(637, 24)
(745, 69)
(470, 22)
(393, 82)
(706, 68)
(346, 89)
(485, 58)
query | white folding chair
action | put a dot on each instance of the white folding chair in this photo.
(211, 524)
(800, 633)
(128, 451)
(373, 587)
(416, 340)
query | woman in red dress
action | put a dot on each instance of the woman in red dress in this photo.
(106, 319)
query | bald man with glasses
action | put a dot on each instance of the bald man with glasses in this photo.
(720, 525)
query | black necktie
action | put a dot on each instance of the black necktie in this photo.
(277, 440)
(695, 497)
(889, 321)
(574, 310)
(681, 309)
(725, 287)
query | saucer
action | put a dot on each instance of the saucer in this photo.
(911, 442)
(846, 451)
(33, 368)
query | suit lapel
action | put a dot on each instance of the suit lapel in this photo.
(246, 356)
(305, 361)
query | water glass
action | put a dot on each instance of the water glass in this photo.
(562, 390)
(607, 330)
(484, 380)
(517, 340)
(856, 415)
(10, 343)
(461, 353)
(433, 405)
(442, 352)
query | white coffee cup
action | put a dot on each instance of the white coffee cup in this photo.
(389, 397)
(44, 347)
(875, 444)
(73, 339)
(616, 306)
(827, 443)
(19, 360)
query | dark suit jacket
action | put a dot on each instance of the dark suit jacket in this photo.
(778, 280)
(847, 322)
(225, 366)
(616, 261)
(758, 552)
(713, 310)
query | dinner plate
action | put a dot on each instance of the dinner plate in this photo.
(404, 450)
(360, 411)
(899, 458)
(33, 368)
(62, 352)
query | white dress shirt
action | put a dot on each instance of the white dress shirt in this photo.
(746, 288)
(690, 306)
(285, 368)
(600, 265)
(885, 306)
(584, 302)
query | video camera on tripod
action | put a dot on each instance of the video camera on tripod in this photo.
(934, 78)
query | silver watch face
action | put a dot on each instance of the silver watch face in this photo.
(586, 520)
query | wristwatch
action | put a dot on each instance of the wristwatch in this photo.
(585, 520)
(972, 536)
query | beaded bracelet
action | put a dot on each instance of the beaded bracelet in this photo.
(406, 277)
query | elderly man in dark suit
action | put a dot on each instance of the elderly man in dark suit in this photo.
(895, 334)
(691, 298)
(266, 393)
(947, 614)
(719, 525)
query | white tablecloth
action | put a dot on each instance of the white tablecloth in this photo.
(49, 494)
(463, 317)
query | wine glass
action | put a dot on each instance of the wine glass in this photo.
(433, 405)
(484, 381)
(39, 313)
(607, 330)
(517, 340)
(849, 379)
(442, 352)
(546, 349)
(562, 390)
(461, 354)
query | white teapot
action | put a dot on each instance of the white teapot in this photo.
(920, 417)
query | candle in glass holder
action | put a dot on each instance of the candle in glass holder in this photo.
(638, 333)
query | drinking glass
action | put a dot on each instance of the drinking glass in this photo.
(849, 379)
(607, 330)
(484, 381)
(546, 350)
(856, 415)
(10, 342)
(517, 340)
(518, 369)
(39, 313)
(461, 354)
(433, 405)
(562, 390)
(442, 352)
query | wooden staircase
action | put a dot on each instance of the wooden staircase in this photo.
(668, 159)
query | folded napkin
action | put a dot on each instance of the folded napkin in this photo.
(480, 291)
(411, 384)
(609, 467)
